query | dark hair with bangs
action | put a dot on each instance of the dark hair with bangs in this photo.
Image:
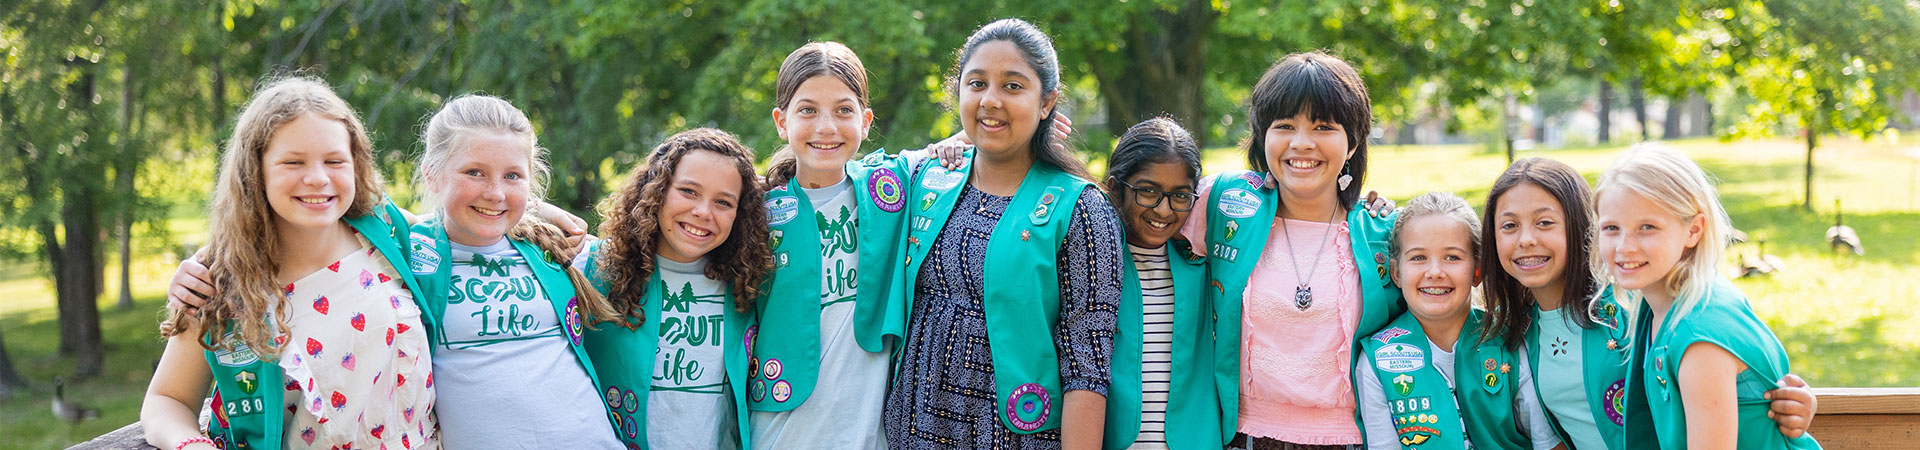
(1155, 141)
(1508, 301)
(1327, 88)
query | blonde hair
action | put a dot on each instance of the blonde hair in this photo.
(1669, 179)
(447, 134)
(1436, 204)
(241, 254)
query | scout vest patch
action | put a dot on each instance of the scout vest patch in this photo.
(1399, 358)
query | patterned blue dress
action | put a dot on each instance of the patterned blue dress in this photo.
(943, 396)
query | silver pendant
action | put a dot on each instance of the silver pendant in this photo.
(1302, 297)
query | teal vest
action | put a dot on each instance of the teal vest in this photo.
(1426, 412)
(626, 356)
(1603, 353)
(790, 320)
(1240, 211)
(1721, 317)
(1022, 303)
(1193, 412)
(248, 392)
(553, 280)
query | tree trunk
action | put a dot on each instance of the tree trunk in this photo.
(9, 377)
(1409, 133)
(1637, 99)
(1605, 135)
(1708, 130)
(76, 262)
(1161, 69)
(1670, 130)
(1540, 126)
(124, 167)
(1806, 202)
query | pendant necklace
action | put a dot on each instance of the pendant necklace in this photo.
(1303, 295)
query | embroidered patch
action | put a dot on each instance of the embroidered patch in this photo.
(1223, 251)
(1238, 203)
(752, 331)
(775, 237)
(884, 187)
(1232, 228)
(1416, 435)
(1399, 358)
(753, 367)
(1253, 179)
(1390, 334)
(425, 259)
(631, 400)
(926, 201)
(236, 353)
(1404, 384)
(772, 369)
(940, 179)
(1028, 406)
(613, 397)
(572, 322)
(1489, 364)
(782, 391)
(757, 389)
(1615, 401)
(781, 210)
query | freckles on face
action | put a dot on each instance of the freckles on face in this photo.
(700, 206)
(307, 173)
(1640, 242)
(1435, 268)
(486, 186)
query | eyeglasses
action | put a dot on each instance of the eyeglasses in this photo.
(1150, 198)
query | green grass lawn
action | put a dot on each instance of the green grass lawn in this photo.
(1847, 321)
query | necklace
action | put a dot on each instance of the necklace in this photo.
(1303, 295)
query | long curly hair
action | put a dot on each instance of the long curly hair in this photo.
(631, 226)
(242, 251)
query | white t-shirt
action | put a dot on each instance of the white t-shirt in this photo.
(504, 376)
(847, 403)
(1377, 420)
(1156, 350)
(1562, 352)
(691, 405)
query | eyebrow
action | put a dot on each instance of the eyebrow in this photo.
(1008, 73)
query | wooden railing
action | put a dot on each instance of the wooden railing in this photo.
(1849, 419)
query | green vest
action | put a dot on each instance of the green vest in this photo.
(248, 392)
(790, 320)
(1022, 303)
(1723, 318)
(1426, 411)
(1193, 412)
(1240, 211)
(1603, 362)
(553, 280)
(626, 359)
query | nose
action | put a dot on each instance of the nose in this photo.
(990, 99)
(1527, 239)
(701, 210)
(315, 176)
(1300, 140)
(823, 128)
(493, 192)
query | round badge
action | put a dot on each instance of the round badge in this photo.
(572, 323)
(757, 389)
(613, 397)
(1615, 401)
(632, 402)
(885, 189)
(753, 367)
(1028, 407)
(782, 391)
(633, 446)
(772, 369)
(630, 427)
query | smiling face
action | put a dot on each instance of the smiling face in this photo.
(1642, 243)
(308, 172)
(823, 124)
(1152, 227)
(1530, 234)
(1435, 268)
(485, 187)
(697, 214)
(1000, 100)
(1306, 155)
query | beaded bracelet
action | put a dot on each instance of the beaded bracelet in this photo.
(193, 440)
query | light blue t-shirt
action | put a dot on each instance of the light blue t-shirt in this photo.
(690, 405)
(1565, 395)
(847, 404)
(503, 375)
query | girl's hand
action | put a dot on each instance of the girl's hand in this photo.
(952, 150)
(572, 225)
(1378, 206)
(189, 289)
(1793, 406)
(1062, 129)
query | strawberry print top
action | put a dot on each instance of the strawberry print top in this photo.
(355, 358)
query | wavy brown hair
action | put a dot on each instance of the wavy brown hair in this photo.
(242, 251)
(631, 226)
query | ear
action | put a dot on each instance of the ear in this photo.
(866, 121)
(1696, 226)
(780, 122)
(1047, 102)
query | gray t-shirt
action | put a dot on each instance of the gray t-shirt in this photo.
(504, 377)
(690, 405)
(1377, 420)
(1561, 352)
(847, 404)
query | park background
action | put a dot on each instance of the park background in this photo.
(112, 115)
